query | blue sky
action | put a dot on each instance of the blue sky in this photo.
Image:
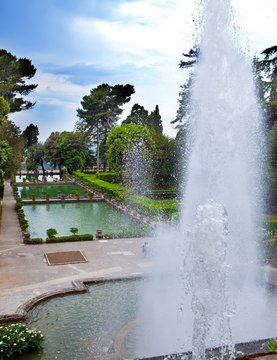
(78, 44)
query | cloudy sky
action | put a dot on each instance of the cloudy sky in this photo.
(78, 44)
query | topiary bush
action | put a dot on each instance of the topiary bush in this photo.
(51, 233)
(74, 230)
(68, 238)
(15, 339)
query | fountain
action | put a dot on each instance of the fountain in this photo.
(203, 290)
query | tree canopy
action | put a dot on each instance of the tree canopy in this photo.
(12, 135)
(122, 143)
(100, 110)
(267, 68)
(140, 116)
(30, 135)
(69, 149)
(13, 75)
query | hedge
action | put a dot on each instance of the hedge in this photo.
(127, 234)
(271, 223)
(109, 177)
(83, 237)
(158, 208)
(33, 241)
(114, 190)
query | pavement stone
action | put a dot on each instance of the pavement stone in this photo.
(25, 274)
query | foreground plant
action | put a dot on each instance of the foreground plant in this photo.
(16, 339)
(272, 346)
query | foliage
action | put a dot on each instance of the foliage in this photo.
(34, 241)
(267, 69)
(155, 120)
(22, 220)
(144, 231)
(157, 209)
(271, 223)
(52, 152)
(190, 58)
(4, 108)
(5, 151)
(123, 140)
(110, 177)
(100, 110)
(272, 168)
(35, 157)
(74, 230)
(140, 116)
(30, 135)
(13, 75)
(51, 233)
(12, 135)
(69, 238)
(164, 161)
(272, 346)
(16, 339)
(99, 185)
(73, 148)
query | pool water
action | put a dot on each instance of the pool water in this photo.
(84, 326)
(86, 216)
(39, 191)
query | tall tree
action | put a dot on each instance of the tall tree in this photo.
(13, 75)
(268, 67)
(30, 135)
(5, 151)
(12, 135)
(125, 143)
(51, 150)
(100, 110)
(139, 115)
(35, 157)
(154, 120)
(164, 164)
(74, 149)
(4, 108)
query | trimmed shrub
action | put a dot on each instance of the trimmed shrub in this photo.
(74, 230)
(99, 185)
(16, 339)
(34, 241)
(109, 177)
(159, 209)
(83, 237)
(127, 234)
(51, 233)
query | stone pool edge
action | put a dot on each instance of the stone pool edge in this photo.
(79, 286)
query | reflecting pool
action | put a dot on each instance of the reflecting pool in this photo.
(52, 190)
(84, 326)
(86, 216)
(104, 323)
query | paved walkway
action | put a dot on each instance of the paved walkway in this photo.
(25, 275)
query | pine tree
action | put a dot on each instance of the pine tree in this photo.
(13, 75)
